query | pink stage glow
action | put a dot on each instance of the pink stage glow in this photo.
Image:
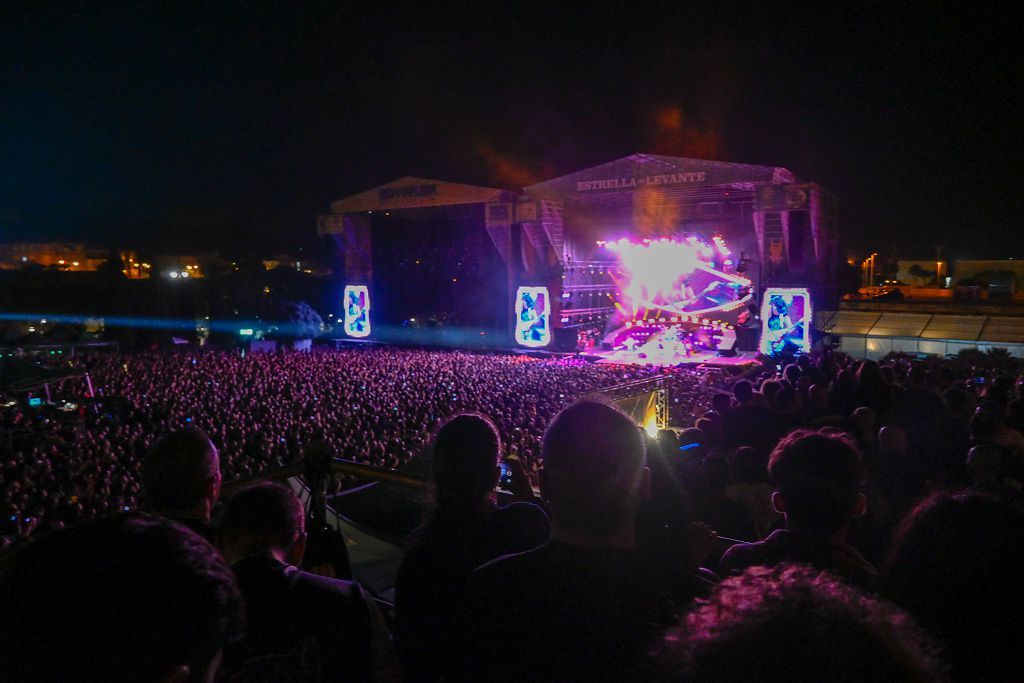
(676, 277)
(653, 269)
(676, 300)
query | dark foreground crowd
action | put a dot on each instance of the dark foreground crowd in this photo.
(832, 520)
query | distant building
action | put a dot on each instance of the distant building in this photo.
(979, 305)
(133, 267)
(992, 278)
(179, 266)
(922, 273)
(68, 256)
(63, 255)
(306, 265)
(1004, 277)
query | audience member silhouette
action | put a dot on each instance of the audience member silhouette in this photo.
(300, 626)
(181, 480)
(464, 530)
(817, 477)
(584, 606)
(123, 598)
(955, 565)
(794, 623)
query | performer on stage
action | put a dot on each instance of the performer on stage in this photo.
(781, 328)
(691, 300)
(532, 322)
(357, 321)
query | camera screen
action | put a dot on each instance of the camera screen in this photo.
(505, 480)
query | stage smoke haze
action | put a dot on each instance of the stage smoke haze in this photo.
(652, 270)
(506, 171)
(673, 137)
(653, 214)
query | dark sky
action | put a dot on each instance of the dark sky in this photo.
(233, 124)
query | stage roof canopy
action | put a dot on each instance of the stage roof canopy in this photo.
(667, 175)
(640, 171)
(410, 192)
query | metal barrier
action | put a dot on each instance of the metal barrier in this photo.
(659, 386)
(338, 466)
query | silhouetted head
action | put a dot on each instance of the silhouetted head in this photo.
(958, 402)
(794, 623)
(985, 463)
(955, 565)
(817, 396)
(264, 518)
(817, 476)
(869, 376)
(594, 473)
(668, 441)
(721, 402)
(770, 388)
(787, 401)
(985, 425)
(181, 475)
(893, 440)
(864, 419)
(743, 390)
(124, 598)
(465, 460)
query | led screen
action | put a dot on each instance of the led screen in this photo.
(533, 314)
(785, 321)
(677, 277)
(357, 311)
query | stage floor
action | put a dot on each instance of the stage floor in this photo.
(624, 357)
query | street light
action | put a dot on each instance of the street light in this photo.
(869, 263)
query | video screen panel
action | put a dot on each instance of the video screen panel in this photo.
(785, 321)
(533, 316)
(357, 311)
(686, 278)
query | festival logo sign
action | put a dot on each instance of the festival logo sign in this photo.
(642, 181)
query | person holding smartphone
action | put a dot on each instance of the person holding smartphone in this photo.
(464, 530)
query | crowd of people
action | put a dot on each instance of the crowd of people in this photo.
(825, 519)
(373, 406)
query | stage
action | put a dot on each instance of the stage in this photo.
(709, 358)
(616, 250)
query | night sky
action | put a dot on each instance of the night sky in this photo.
(231, 126)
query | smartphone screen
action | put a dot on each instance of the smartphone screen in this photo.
(505, 479)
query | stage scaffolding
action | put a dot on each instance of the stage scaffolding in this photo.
(644, 400)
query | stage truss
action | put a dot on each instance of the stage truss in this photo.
(645, 400)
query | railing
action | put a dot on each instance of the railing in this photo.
(338, 466)
(659, 386)
(634, 387)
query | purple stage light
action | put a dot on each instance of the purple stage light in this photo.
(673, 300)
(672, 277)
